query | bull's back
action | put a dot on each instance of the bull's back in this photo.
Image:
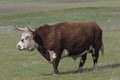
(77, 32)
(77, 35)
(69, 35)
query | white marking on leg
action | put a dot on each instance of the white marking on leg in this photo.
(81, 61)
(64, 53)
(52, 55)
(95, 67)
(86, 51)
(93, 50)
(90, 48)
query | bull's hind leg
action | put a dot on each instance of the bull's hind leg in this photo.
(95, 55)
(82, 61)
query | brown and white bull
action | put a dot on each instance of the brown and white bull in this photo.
(66, 39)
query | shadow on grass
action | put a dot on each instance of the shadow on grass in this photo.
(104, 67)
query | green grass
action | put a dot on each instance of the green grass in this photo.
(19, 6)
(23, 65)
(35, 19)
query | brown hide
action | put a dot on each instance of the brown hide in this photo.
(74, 37)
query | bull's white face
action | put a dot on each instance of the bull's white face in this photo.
(26, 42)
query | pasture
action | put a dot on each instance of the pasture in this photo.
(24, 65)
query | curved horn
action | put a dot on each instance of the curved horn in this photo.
(20, 29)
(30, 29)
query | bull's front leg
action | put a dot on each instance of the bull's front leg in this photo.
(55, 63)
(54, 59)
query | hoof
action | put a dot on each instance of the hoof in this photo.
(78, 71)
(55, 75)
(94, 69)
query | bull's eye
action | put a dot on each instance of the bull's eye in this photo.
(22, 40)
(27, 37)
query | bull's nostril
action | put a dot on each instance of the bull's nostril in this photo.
(18, 46)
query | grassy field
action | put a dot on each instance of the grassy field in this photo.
(23, 65)
(19, 6)
(106, 17)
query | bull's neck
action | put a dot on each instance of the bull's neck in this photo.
(44, 53)
(38, 39)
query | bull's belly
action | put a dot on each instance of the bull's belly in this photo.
(66, 53)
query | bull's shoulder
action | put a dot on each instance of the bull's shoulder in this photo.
(45, 28)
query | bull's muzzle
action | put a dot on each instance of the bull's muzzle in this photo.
(18, 47)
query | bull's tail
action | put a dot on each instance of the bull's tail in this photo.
(102, 49)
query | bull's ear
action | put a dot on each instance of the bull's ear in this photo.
(20, 29)
(30, 29)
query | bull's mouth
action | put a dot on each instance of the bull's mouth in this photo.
(21, 49)
(26, 49)
(30, 49)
